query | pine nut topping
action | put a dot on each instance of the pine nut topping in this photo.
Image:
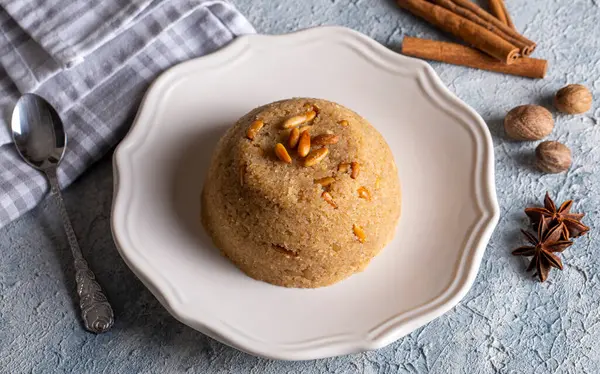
(254, 129)
(304, 144)
(316, 156)
(282, 153)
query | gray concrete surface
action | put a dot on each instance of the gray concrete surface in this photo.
(506, 324)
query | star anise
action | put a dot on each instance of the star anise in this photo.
(542, 249)
(570, 223)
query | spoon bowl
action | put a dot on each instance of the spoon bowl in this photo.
(38, 132)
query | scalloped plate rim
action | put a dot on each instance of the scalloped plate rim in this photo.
(317, 348)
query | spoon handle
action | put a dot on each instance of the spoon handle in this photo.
(96, 312)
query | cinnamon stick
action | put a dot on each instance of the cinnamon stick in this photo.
(497, 10)
(513, 37)
(472, 33)
(458, 54)
(492, 23)
(509, 21)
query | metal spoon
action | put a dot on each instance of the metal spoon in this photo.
(40, 139)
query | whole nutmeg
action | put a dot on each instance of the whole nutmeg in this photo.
(528, 122)
(573, 99)
(553, 157)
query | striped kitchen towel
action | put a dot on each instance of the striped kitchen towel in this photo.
(93, 60)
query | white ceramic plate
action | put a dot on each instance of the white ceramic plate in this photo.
(445, 159)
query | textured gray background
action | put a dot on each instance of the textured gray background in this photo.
(506, 324)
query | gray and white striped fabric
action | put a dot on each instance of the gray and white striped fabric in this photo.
(93, 60)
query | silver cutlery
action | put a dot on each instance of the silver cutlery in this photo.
(39, 135)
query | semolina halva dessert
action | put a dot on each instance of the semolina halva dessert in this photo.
(301, 193)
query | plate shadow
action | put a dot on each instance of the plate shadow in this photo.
(190, 167)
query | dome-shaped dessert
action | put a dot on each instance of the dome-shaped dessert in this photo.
(301, 221)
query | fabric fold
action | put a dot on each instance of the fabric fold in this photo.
(69, 30)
